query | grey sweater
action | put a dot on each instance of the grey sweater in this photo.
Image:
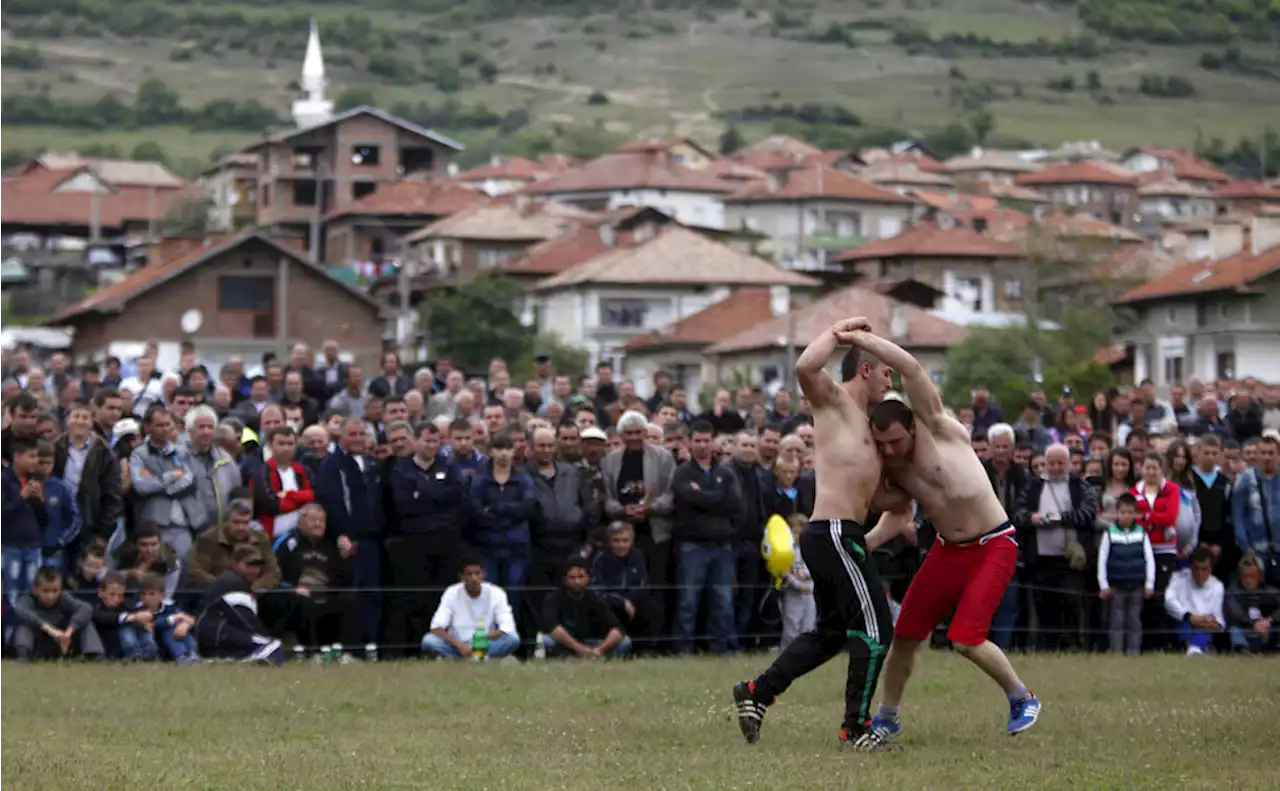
(67, 611)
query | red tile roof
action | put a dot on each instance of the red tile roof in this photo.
(657, 145)
(509, 168)
(415, 197)
(561, 253)
(1086, 225)
(813, 183)
(740, 311)
(615, 172)
(1238, 271)
(30, 200)
(785, 143)
(1246, 190)
(927, 240)
(1077, 173)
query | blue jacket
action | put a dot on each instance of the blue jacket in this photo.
(500, 513)
(64, 517)
(20, 528)
(623, 577)
(427, 502)
(352, 501)
(1253, 531)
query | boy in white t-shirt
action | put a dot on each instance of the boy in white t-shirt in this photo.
(474, 617)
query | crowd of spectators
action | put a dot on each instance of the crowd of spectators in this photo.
(308, 507)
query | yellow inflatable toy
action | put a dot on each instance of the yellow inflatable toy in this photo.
(778, 548)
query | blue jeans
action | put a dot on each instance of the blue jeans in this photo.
(1193, 637)
(1006, 618)
(17, 576)
(181, 650)
(700, 566)
(1252, 641)
(508, 570)
(138, 643)
(751, 572)
(555, 649)
(504, 645)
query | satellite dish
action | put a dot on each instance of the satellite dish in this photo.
(191, 321)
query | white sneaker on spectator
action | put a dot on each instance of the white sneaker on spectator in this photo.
(1194, 650)
(264, 652)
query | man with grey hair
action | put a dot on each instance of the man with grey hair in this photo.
(1008, 479)
(445, 403)
(559, 530)
(215, 471)
(637, 484)
(1057, 514)
(214, 548)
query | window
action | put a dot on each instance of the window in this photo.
(980, 224)
(417, 160)
(623, 313)
(1171, 317)
(1226, 365)
(1013, 289)
(968, 292)
(365, 156)
(1173, 370)
(266, 194)
(491, 257)
(252, 293)
(361, 188)
(304, 193)
(1224, 311)
(306, 157)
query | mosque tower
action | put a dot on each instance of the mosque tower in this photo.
(314, 108)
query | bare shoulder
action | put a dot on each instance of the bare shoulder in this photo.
(946, 430)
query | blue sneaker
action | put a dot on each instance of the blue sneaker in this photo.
(1023, 714)
(885, 729)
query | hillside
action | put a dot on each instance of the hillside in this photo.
(520, 76)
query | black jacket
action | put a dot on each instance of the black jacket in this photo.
(100, 496)
(315, 565)
(588, 618)
(707, 503)
(1081, 517)
(806, 492)
(1215, 510)
(427, 502)
(1014, 482)
(1244, 425)
(619, 578)
(352, 500)
(381, 387)
(757, 486)
(558, 528)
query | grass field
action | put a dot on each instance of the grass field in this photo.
(1158, 723)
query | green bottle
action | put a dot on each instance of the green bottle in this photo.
(479, 641)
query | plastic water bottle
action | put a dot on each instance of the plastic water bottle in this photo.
(371, 652)
(479, 641)
(326, 655)
(540, 648)
(299, 653)
(335, 653)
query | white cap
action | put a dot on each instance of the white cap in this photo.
(594, 433)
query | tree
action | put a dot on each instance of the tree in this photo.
(598, 97)
(982, 124)
(355, 97)
(1093, 81)
(731, 140)
(188, 218)
(1004, 360)
(156, 103)
(565, 359)
(476, 321)
(149, 151)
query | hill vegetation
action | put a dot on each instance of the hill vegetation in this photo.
(526, 76)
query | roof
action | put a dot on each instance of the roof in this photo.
(354, 112)
(116, 172)
(659, 144)
(1010, 192)
(116, 296)
(1172, 187)
(414, 197)
(924, 330)
(1183, 164)
(736, 313)
(505, 168)
(560, 253)
(30, 200)
(1198, 277)
(1086, 225)
(784, 143)
(996, 161)
(1078, 173)
(676, 255)
(236, 159)
(904, 173)
(903, 156)
(818, 182)
(497, 221)
(1246, 190)
(614, 172)
(928, 240)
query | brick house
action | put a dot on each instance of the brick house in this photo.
(253, 294)
(1108, 192)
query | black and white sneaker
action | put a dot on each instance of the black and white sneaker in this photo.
(868, 741)
(749, 710)
(269, 652)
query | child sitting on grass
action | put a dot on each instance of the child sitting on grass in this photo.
(50, 622)
(118, 624)
(799, 611)
(169, 626)
(83, 583)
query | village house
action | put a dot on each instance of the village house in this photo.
(1103, 190)
(1213, 319)
(230, 188)
(1172, 164)
(1000, 167)
(1245, 198)
(233, 295)
(505, 175)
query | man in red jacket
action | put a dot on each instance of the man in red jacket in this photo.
(281, 486)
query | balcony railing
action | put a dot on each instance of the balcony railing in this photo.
(830, 241)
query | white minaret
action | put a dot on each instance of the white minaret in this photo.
(314, 109)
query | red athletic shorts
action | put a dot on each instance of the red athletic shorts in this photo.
(969, 578)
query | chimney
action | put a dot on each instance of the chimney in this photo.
(495, 160)
(1225, 240)
(1265, 233)
(779, 300)
(898, 321)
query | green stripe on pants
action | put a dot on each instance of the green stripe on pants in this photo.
(876, 658)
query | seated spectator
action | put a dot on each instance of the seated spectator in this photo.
(90, 567)
(112, 619)
(311, 564)
(1252, 609)
(474, 619)
(1194, 599)
(280, 486)
(799, 609)
(621, 575)
(147, 554)
(167, 627)
(52, 623)
(228, 625)
(578, 622)
(1126, 575)
(215, 547)
(62, 525)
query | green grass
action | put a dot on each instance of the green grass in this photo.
(1155, 723)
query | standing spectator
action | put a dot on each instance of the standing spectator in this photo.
(462, 448)
(331, 371)
(1120, 477)
(216, 473)
(1209, 420)
(985, 413)
(1255, 508)
(1008, 481)
(1271, 410)
(722, 416)
(392, 381)
(250, 410)
(793, 493)
(62, 525)
(1158, 502)
(502, 503)
(1059, 510)
(708, 500)
(637, 484)
(445, 403)
(1102, 416)
(1182, 412)
(349, 489)
(1126, 576)
(85, 462)
(164, 484)
(24, 411)
(228, 626)
(281, 486)
(1244, 421)
(558, 529)
(1213, 491)
(799, 610)
(108, 408)
(577, 621)
(313, 385)
(24, 519)
(1029, 428)
(469, 607)
(295, 395)
(1138, 443)
(1194, 599)
(621, 575)
(349, 401)
(50, 622)
(1252, 609)
(1179, 470)
(750, 576)
(428, 495)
